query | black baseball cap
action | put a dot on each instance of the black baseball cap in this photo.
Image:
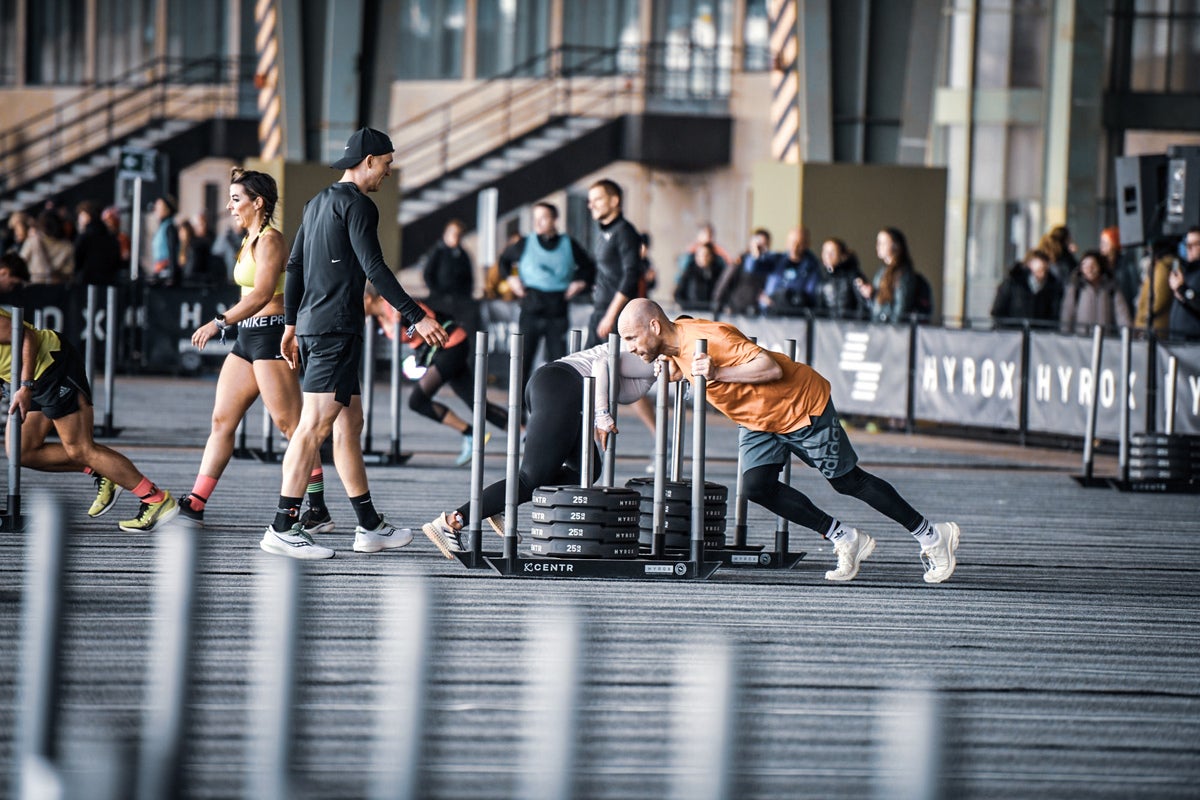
(362, 143)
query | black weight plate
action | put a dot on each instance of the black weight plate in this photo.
(681, 541)
(603, 497)
(1158, 474)
(680, 490)
(711, 510)
(584, 515)
(572, 548)
(681, 524)
(1153, 451)
(1161, 439)
(1164, 462)
(592, 533)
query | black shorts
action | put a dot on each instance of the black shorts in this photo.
(56, 393)
(330, 362)
(258, 338)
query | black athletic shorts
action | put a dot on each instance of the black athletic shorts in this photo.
(56, 393)
(330, 362)
(258, 338)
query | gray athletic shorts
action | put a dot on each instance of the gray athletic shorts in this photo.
(821, 444)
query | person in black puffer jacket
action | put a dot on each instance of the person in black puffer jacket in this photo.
(838, 295)
(1030, 294)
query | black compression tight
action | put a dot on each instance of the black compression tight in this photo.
(461, 382)
(762, 486)
(554, 397)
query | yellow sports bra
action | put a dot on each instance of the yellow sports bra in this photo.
(245, 268)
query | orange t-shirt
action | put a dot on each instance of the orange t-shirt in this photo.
(781, 406)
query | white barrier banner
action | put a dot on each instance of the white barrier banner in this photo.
(966, 377)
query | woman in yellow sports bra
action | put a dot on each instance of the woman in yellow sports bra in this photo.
(255, 366)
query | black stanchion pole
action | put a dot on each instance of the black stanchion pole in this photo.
(12, 520)
(574, 340)
(1126, 369)
(479, 419)
(1089, 435)
(586, 446)
(394, 450)
(110, 359)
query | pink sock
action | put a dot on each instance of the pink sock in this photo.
(202, 490)
(148, 492)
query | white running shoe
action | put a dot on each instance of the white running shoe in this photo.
(939, 558)
(447, 537)
(294, 543)
(385, 537)
(850, 555)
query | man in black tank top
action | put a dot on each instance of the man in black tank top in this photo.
(336, 250)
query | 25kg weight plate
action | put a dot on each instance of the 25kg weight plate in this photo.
(602, 497)
(570, 548)
(680, 490)
(677, 509)
(681, 524)
(584, 515)
(681, 541)
(592, 533)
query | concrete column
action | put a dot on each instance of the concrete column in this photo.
(289, 34)
(815, 81)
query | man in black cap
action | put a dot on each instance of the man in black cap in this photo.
(336, 250)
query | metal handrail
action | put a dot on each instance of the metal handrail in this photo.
(562, 82)
(114, 109)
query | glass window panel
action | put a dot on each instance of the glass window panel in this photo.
(993, 47)
(124, 36)
(55, 42)
(197, 31)
(510, 33)
(8, 42)
(431, 39)
(1030, 46)
(756, 37)
(1185, 54)
(987, 168)
(1149, 69)
(601, 25)
(697, 36)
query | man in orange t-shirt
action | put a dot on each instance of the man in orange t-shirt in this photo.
(784, 408)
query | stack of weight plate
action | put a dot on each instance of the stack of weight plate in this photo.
(1164, 457)
(572, 522)
(677, 513)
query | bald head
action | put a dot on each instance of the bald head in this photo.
(646, 330)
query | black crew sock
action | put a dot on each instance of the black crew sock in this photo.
(368, 517)
(470, 430)
(287, 514)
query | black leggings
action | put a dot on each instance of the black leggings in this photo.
(451, 366)
(554, 398)
(762, 486)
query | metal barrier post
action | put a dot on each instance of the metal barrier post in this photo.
(512, 463)
(1126, 369)
(677, 423)
(704, 728)
(1089, 435)
(37, 721)
(268, 434)
(699, 412)
(12, 514)
(658, 540)
(164, 722)
(110, 359)
(574, 340)
(1172, 383)
(478, 421)
(394, 450)
(279, 600)
(586, 445)
(614, 386)
(404, 656)
(368, 384)
(555, 655)
(89, 338)
(781, 523)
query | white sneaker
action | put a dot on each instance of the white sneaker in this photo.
(385, 537)
(447, 538)
(938, 558)
(850, 555)
(294, 543)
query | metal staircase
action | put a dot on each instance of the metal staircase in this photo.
(73, 148)
(545, 124)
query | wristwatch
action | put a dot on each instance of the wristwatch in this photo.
(27, 384)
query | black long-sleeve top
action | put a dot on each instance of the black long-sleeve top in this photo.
(335, 252)
(618, 261)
